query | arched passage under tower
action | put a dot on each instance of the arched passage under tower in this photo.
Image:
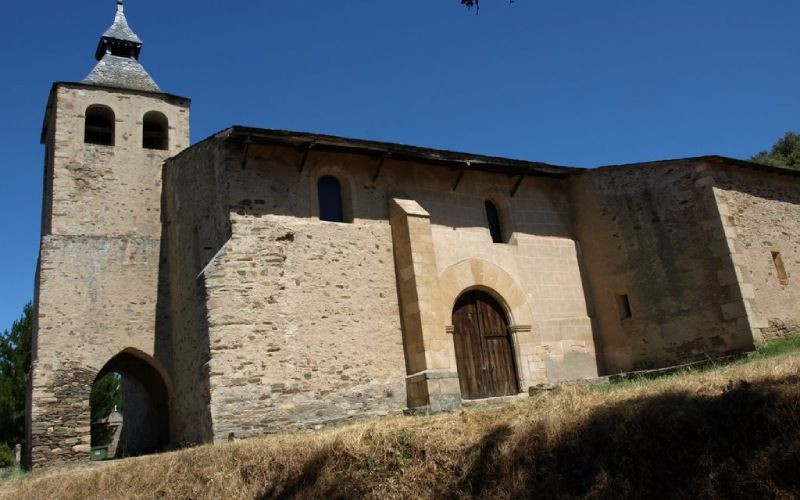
(141, 400)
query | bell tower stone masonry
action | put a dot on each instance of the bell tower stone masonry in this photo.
(96, 301)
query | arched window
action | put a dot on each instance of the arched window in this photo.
(493, 218)
(99, 125)
(329, 192)
(155, 131)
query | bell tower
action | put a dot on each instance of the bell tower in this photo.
(97, 295)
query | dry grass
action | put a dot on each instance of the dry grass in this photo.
(730, 431)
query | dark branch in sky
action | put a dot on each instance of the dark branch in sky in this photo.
(474, 3)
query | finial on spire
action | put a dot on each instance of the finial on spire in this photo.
(117, 55)
(119, 38)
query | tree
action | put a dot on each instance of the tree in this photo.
(106, 395)
(475, 3)
(15, 365)
(785, 153)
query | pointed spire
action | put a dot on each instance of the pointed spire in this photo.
(118, 58)
(119, 39)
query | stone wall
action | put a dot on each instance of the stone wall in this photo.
(196, 226)
(59, 427)
(764, 210)
(654, 234)
(139, 434)
(540, 258)
(85, 317)
(108, 190)
(304, 322)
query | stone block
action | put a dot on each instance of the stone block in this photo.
(728, 276)
(734, 310)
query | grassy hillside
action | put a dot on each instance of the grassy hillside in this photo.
(726, 431)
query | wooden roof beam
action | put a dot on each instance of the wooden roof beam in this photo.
(303, 161)
(461, 171)
(246, 152)
(517, 184)
(379, 167)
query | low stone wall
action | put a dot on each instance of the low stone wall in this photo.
(61, 430)
(778, 329)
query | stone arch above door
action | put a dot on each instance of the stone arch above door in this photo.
(133, 355)
(484, 275)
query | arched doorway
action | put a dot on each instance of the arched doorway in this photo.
(143, 409)
(484, 352)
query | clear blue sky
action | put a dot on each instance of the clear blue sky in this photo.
(578, 82)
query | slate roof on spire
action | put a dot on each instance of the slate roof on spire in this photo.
(119, 29)
(121, 72)
(119, 38)
(117, 55)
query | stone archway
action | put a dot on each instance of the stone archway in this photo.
(482, 274)
(487, 277)
(145, 402)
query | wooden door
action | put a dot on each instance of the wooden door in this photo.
(484, 353)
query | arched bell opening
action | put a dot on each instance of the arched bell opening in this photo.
(99, 125)
(129, 408)
(484, 348)
(155, 131)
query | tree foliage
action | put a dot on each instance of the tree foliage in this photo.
(15, 365)
(784, 153)
(475, 3)
(106, 395)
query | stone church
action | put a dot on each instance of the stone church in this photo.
(264, 279)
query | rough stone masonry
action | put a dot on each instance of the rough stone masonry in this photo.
(261, 279)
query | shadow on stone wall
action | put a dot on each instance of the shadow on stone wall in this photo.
(184, 356)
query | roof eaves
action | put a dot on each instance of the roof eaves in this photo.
(451, 159)
(151, 93)
(716, 160)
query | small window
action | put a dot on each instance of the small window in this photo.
(624, 306)
(155, 131)
(493, 218)
(99, 125)
(329, 192)
(777, 260)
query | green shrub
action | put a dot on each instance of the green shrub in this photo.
(6, 455)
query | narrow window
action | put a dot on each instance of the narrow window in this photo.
(783, 278)
(624, 306)
(329, 192)
(493, 218)
(99, 125)
(155, 131)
